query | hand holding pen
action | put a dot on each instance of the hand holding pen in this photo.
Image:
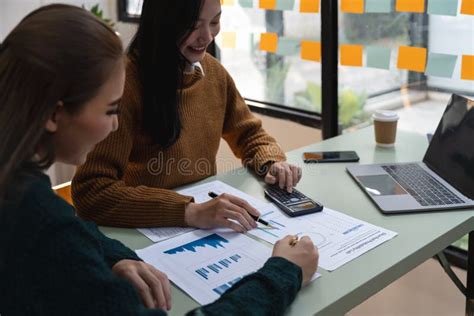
(300, 251)
(255, 217)
(225, 210)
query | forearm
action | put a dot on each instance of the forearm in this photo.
(245, 135)
(111, 203)
(260, 156)
(114, 250)
(269, 291)
(76, 280)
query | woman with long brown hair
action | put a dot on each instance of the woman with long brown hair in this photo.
(62, 75)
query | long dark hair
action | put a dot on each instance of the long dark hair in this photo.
(56, 53)
(164, 24)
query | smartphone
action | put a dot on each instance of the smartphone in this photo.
(330, 156)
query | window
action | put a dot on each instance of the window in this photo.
(392, 45)
(129, 10)
(261, 49)
(281, 77)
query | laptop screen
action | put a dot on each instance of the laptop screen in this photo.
(451, 150)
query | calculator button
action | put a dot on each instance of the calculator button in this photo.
(294, 200)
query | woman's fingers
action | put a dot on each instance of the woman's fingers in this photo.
(288, 178)
(224, 222)
(270, 179)
(166, 285)
(245, 205)
(152, 285)
(156, 288)
(281, 174)
(296, 174)
(239, 217)
(143, 289)
(159, 285)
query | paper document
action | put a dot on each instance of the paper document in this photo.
(163, 233)
(205, 264)
(340, 238)
(200, 193)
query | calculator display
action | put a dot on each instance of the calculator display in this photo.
(303, 206)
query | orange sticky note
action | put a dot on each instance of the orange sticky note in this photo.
(412, 58)
(467, 67)
(267, 4)
(410, 6)
(311, 50)
(269, 42)
(309, 6)
(352, 6)
(228, 39)
(351, 55)
(467, 7)
(227, 2)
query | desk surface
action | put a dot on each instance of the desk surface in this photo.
(420, 236)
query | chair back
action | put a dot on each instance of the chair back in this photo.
(64, 191)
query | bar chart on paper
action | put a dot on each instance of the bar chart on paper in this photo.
(206, 264)
(214, 241)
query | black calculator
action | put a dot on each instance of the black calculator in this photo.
(294, 203)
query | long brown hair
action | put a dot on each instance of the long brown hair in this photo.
(58, 53)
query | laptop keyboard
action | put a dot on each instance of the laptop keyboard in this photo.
(421, 185)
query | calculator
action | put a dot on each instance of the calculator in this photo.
(294, 203)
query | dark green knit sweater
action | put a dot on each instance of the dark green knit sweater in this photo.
(52, 263)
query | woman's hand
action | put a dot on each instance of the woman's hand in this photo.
(223, 211)
(283, 174)
(302, 253)
(152, 285)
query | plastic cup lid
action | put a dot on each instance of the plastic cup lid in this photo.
(385, 116)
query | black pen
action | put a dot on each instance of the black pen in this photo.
(256, 218)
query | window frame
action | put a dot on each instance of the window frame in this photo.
(123, 15)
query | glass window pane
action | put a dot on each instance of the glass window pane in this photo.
(411, 63)
(378, 35)
(279, 77)
(134, 7)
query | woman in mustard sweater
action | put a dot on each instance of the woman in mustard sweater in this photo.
(179, 102)
(62, 74)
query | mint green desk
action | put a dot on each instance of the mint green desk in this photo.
(420, 236)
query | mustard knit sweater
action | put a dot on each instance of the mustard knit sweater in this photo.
(127, 180)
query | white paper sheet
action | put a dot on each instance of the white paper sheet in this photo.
(200, 193)
(205, 264)
(163, 233)
(340, 238)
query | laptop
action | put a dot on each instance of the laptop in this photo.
(443, 180)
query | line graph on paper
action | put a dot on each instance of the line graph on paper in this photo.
(317, 238)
